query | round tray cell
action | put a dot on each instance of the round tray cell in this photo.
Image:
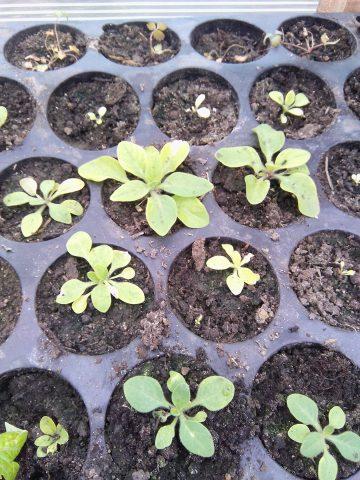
(352, 91)
(202, 299)
(10, 299)
(335, 171)
(91, 332)
(21, 113)
(229, 41)
(134, 44)
(26, 396)
(326, 376)
(37, 48)
(174, 99)
(319, 114)
(39, 168)
(315, 274)
(71, 102)
(131, 435)
(302, 36)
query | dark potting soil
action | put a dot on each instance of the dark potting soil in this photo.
(326, 376)
(91, 332)
(10, 299)
(297, 31)
(70, 103)
(28, 395)
(316, 279)
(33, 46)
(319, 114)
(178, 93)
(40, 169)
(277, 210)
(352, 92)
(201, 298)
(129, 44)
(342, 161)
(229, 41)
(131, 435)
(21, 109)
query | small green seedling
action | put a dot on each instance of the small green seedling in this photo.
(355, 177)
(241, 275)
(202, 112)
(103, 278)
(290, 104)
(145, 394)
(289, 169)
(11, 443)
(54, 435)
(155, 178)
(3, 115)
(343, 271)
(50, 191)
(97, 119)
(274, 39)
(157, 33)
(314, 443)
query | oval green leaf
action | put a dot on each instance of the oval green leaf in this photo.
(186, 185)
(191, 212)
(161, 213)
(103, 168)
(144, 394)
(31, 223)
(130, 191)
(196, 438)
(214, 393)
(303, 408)
(235, 157)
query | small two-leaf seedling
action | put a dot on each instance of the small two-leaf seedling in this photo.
(290, 104)
(54, 435)
(202, 112)
(97, 119)
(157, 33)
(315, 443)
(145, 395)
(288, 169)
(3, 115)
(355, 177)
(11, 443)
(343, 271)
(50, 191)
(241, 275)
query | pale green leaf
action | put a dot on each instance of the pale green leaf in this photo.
(59, 213)
(289, 98)
(235, 284)
(196, 438)
(303, 408)
(16, 198)
(44, 441)
(328, 467)
(229, 249)
(165, 435)
(31, 223)
(292, 158)
(71, 291)
(304, 189)
(8, 469)
(337, 417)
(283, 118)
(297, 112)
(47, 426)
(11, 444)
(175, 379)
(46, 186)
(214, 393)
(128, 273)
(172, 155)
(248, 276)
(128, 292)
(40, 453)
(80, 304)
(101, 298)
(144, 394)
(101, 272)
(132, 158)
(161, 213)
(153, 166)
(103, 168)
(200, 417)
(186, 185)
(63, 435)
(29, 185)
(70, 185)
(191, 212)
(73, 206)
(301, 100)
(130, 191)
(348, 444)
(101, 255)
(270, 140)
(298, 432)
(313, 445)
(79, 244)
(181, 396)
(235, 157)
(120, 260)
(219, 262)
(277, 97)
(256, 189)
(3, 115)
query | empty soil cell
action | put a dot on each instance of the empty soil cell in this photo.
(75, 98)
(300, 33)
(21, 109)
(352, 91)
(335, 171)
(202, 299)
(130, 44)
(39, 46)
(10, 299)
(91, 332)
(28, 395)
(40, 169)
(326, 376)
(316, 278)
(319, 114)
(131, 435)
(229, 41)
(175, 96)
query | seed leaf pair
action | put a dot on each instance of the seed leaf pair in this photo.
(290, 104)
(11, 443)
(54, 435)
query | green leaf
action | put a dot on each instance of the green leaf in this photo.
(8, 470)
(101, 272)
(297, 112)
(219, 262)
(79, 245)
(328, 467)
(191, 212)
(73, 206)
(172, 155)
(256, 189)
(44, 441)
(175, 379)
(165, 435)
(103, 168)
(120, 260)
(270, 140)
(248, 276)
(12, 428)
(214, 393)
(161, 213)
(40, 453)
(47, 426)
(70, 185)
(63, 435)
(200, 417)
(303, 408)
(129, 293)
(101, 298)
(130, 191)
(181, 396)
(196, 438)
(11, 444)
(132, 158)
(29, 185)
(16, 198)
(80, 304)
(235, 284)
(128, 273)
(186, 185)
(301, 100)
(313, 445)
(71, 291)
(292, 158)
(59, 213)
(348, 444)
(277, 97)
(3, 115)
(298, 432)
(337, 417)
(290, 98)
(304, 189)
(283, 118)
(235, 157)
(31, 223)
(144, 394)
(46, 186)
(101, 255)
(153, 166)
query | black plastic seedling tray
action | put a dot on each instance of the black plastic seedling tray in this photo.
(95, 377)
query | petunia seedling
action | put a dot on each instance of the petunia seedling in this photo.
(54, 435)
(11, 443)
(278, 38)
(97, 119)
(145, 395)
(241, 275)
(169, 195)
(49, 191)
(288, 169)
(202, 112)
(291, 104)
(106, 279)
(156, 33)
(343, 271)
(318, 441)
(3, 115)
(355, 177)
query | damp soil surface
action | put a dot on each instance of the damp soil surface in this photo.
(21, 109)
(37, 46)
(176, 95)
(316, 279)
(129, 44)
(40, 169)
(335, 171)
(326, 376)
(27, 396)
(91, 332)
(10, 299)
(277, 210)
(201, 298)
(130, 435)
(300, 33)
(352, 92)
(71, 102)
(319, 114)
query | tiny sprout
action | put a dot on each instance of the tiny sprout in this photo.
(54, 435)
(290, 103)
(355, 177)
(98, 120)
(202, 112)
(198, 320)
(11, 443)
(241, 275)
(314, 443)
(273, 38)
(3, 115)
(345, 273)
(157, 33)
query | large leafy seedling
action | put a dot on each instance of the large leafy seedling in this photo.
(53, 435)
(11, 443)
(145, 394)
